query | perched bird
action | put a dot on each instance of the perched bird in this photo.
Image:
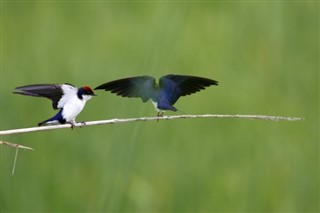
(163, 95)
(65, 97)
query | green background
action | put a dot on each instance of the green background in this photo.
(265, 56)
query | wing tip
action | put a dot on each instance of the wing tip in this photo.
(22, 92)
(214, 82)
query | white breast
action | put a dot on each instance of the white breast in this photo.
(72, 108)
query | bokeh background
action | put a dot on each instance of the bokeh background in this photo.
(265, 56)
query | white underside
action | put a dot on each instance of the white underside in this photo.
(155, 104)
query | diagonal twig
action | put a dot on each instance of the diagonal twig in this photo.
(18, 146)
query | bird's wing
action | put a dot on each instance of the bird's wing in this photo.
(133, 87)
(176, 86)
(52, 91)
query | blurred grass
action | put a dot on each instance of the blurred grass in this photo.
(265, 56)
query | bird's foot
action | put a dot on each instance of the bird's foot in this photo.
(160, 114)
(83, 123)
(72, 124)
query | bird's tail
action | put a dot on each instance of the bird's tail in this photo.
(54, 120)
(181, 111)
(42, 123)
(51, 121)
(48, 121)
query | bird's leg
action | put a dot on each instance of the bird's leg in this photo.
(160, 114)
(72, 123)
(83, 124)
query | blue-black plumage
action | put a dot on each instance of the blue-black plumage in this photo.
(163, 95)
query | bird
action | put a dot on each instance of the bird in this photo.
(164, 94)
(65, 97)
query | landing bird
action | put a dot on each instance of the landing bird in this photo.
(69, 99)
(163, 95)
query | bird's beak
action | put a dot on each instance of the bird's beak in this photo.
(94, 94)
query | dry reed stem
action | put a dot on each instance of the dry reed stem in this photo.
(18, 146)
(126, 120)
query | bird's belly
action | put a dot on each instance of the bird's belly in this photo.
(163, 106)
(155, 104)
(70, 111)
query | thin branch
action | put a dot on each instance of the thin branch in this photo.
(18, 146)
(126, 120)
(15, 161)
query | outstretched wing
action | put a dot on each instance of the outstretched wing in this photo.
(176, 86)
(52, 91)
(133, 87)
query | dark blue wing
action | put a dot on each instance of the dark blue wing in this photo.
(51, 91)
(133, 87)
(176, 86)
